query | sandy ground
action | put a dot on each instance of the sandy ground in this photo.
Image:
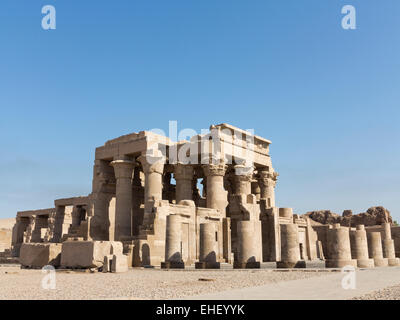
(390, 293)
(16, 283)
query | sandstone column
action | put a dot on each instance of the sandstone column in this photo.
(267, 182)
(255, 189)
(183, 174)
(103, 189)
(242, 178)
(208, 247)
(153, 168)
(216, 194)
(137, 200)
(388, 246)
(247, 248)
(173, 239)
(217, 197)
(290, 249)
(359, 247)
(286, 213)
(375, 249)
(123, 208)
(339, 249)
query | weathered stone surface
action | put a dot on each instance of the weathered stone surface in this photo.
(119, 263)
(107, 263)
(134, 201)
(373, 216)
(116, 247)
(38, 255)
(84, 254)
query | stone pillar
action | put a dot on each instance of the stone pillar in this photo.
(183, 174)
(123, 208)
(137, 201)
(375, 249)
(29, 230)
(290, 248)
(255, 189)
(359, 247)
(242, 179)
(173, 240)
(247, 248)
(267, 183)
(103, 189)
(271, 245)
(208, 247)
(217, 196)
(286, 213)
(339, 248)
(227, 240)
(153, 168)
(388, 246)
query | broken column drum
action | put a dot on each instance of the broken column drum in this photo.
(290, 249)
(339, 249)
(246, 257)
(208, 247)
(375, 249)
(173, 253)
(388, 246)
(359, 247)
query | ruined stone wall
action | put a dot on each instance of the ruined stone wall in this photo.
(372, 217)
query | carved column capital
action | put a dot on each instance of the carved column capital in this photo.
(123, 168)
(214, 169)
(243, 172)
(267, 179)
(152, 163)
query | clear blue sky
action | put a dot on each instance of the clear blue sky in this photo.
(328, 98)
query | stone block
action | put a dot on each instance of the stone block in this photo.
(84, 254)
(38, 255)
(207, 265)
(116, 247)
(393, 262)
(119, 263)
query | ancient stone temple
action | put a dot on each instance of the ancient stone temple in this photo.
(206, 202)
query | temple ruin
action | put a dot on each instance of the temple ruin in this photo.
(207, 202)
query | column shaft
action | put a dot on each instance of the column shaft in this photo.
(339, 248)
(290, 248)
(173, 239)
(183, 175)
(359, 247)
(123, 208)
(375, 249)
(153, 168)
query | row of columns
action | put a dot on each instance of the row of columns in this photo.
(359, 248)
(153, 168)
